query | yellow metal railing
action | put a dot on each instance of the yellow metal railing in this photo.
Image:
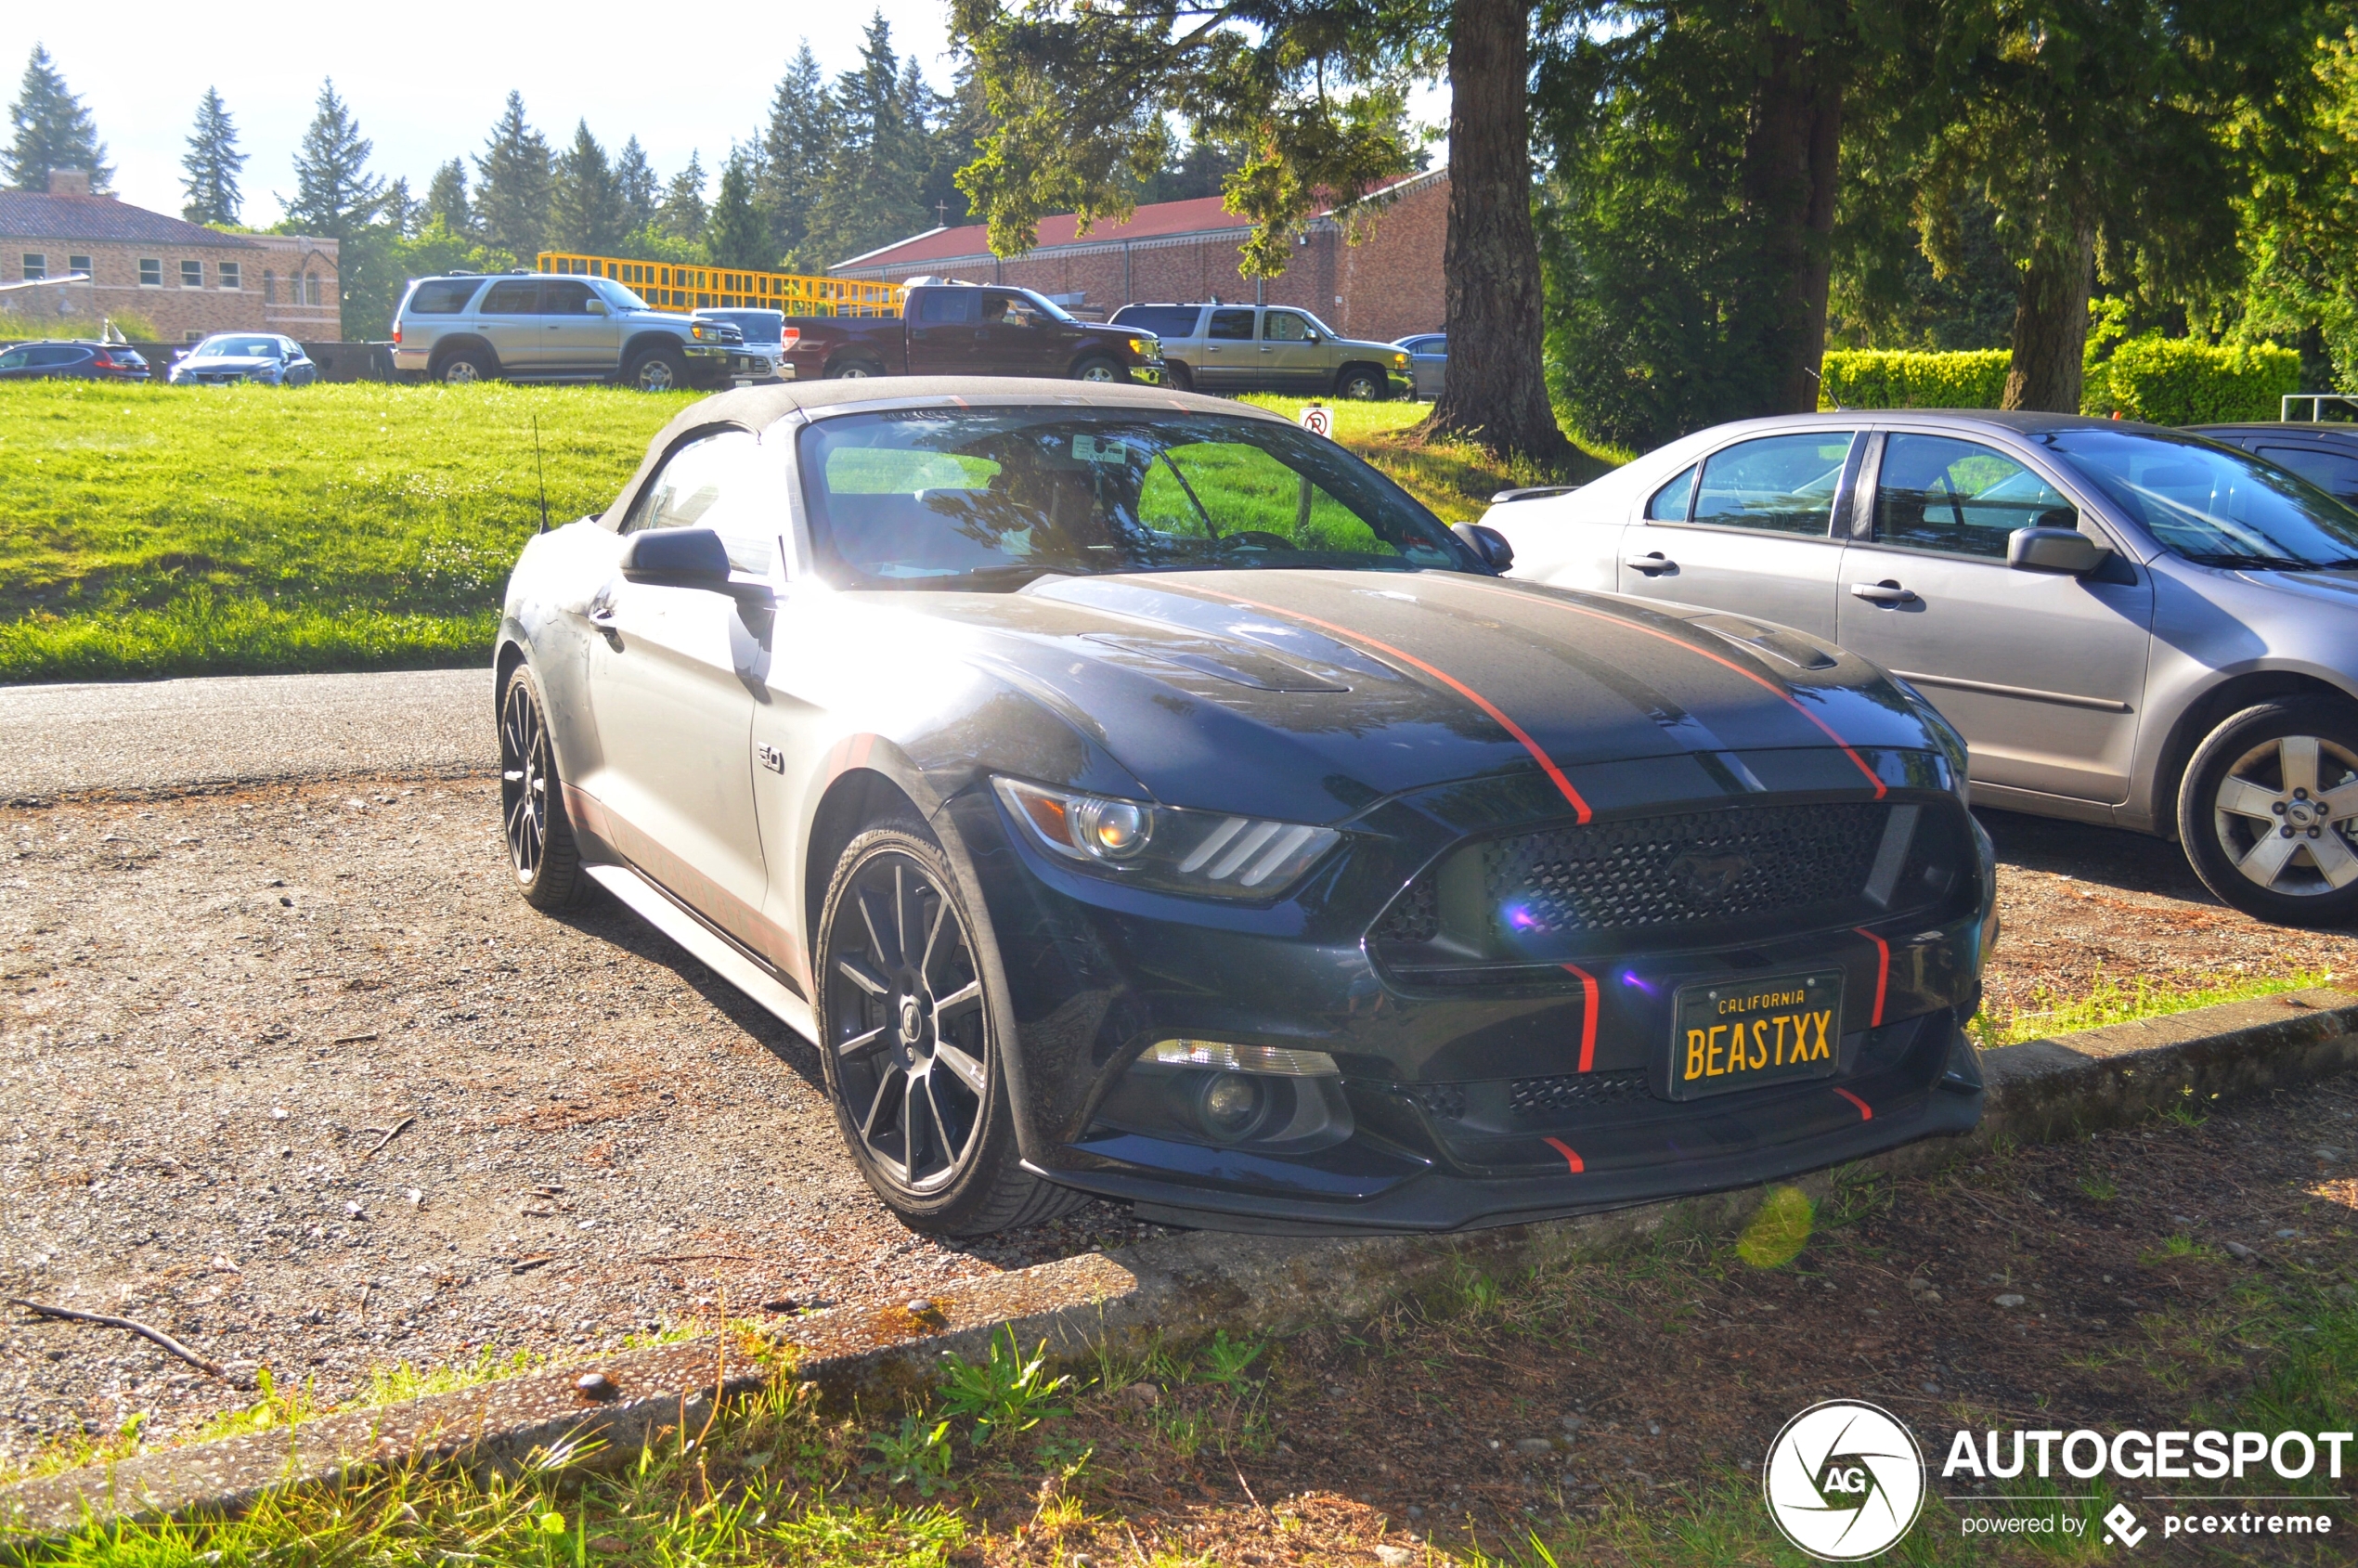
(669, 287)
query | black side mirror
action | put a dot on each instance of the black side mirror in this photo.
(677, 558)
(1487, 543)
(2048, 548)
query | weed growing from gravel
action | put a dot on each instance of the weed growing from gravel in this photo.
(1003, 1395)
(2108, 1003)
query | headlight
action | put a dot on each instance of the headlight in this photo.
(1146, 348)
(1399, 361)
(1182, 852)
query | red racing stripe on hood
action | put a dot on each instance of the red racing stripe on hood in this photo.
(1546, 763)
(1754, 675)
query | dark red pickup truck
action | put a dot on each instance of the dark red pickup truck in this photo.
(952, 328)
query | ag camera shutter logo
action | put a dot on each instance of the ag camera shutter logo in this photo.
(1843, 1480)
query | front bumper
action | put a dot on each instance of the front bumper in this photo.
(1460, 1107)
(1147, 375)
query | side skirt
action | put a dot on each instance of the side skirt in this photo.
(717, 954)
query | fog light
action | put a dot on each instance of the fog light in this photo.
(1280, 1060)
(1231, 1104)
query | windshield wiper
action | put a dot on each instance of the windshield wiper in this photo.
(2228, 561)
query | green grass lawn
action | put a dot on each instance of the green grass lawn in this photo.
(1456, 479)
(157, 531)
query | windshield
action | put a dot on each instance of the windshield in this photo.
(1051, 307)
(993, 497)
(759, 326)
(2213, 505)
(239, 349)
(617, 294)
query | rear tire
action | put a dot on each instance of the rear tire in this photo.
(1177, 377)
(465, 367)
(854, 370)
(541, 850)
(656, 370)
(2268, 812)
(912, 1041)
(1099, 369)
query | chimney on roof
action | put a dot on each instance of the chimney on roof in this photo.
(69, 182)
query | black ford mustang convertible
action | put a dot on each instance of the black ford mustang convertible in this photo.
(1131, 794)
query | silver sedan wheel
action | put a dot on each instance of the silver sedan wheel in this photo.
(2283, 814)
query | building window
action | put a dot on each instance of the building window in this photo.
(231, 276)
(36, 266)
(150, 273)
(78, 263)
(192, 275)
(194, 334)
(269, 287)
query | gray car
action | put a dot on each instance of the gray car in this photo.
(464, 326)
(2129, 625)
(1231, 348)
(227, 358)
(1428, 359)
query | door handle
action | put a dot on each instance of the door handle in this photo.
(1884, 592)
(1650, 564)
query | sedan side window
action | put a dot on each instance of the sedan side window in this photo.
(15, 359)
(2330, 471)
(1669, 503)
(1284, 326)
(1959, 497)
(1231, 325)
(1779, 484)
(723, 483)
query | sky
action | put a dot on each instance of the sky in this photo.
(425, 82)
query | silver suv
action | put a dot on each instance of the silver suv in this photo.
(466, 326)
(1229, 348)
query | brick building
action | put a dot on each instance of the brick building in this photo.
(1386, 286)
(187, 280)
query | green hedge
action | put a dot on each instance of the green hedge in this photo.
(2177, 380)
(1873, 378)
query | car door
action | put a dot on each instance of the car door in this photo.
(2043, 674)
(574, 338)
(1230, 354)
(1749, 529)
(946, 333)
(1293, 357)
(671, 678)
(511, 322)
(1017, 338)
(1428, 359)
(15, 364)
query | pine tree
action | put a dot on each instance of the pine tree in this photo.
(585, 212)
(446, 199)
(402, 214)
(735, 235)
(801, 137)
(635, 187)
(511, 202)
(212, 164)
(869, 196)
(53, 131)
(683, 214)
(334, 192)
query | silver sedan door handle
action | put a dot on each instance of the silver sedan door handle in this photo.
(1650, 564)
(1884, 592)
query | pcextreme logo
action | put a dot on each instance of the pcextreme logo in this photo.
(1843, 1480)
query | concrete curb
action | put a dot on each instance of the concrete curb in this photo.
(1182, 1288)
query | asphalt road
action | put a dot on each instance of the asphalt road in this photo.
(164, 734)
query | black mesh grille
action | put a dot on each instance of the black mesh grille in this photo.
(1553, 1096)
(1413, 916)
(1446, 1101)
(1690, 869)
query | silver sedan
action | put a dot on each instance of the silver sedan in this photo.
(2129, 625)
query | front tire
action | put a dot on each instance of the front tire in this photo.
(2268, 812)
(541, 850)
(913, 1040)
(1362, 384)
(656, 370)
(1099, 369)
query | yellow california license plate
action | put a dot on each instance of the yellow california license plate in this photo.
(1739, 1035)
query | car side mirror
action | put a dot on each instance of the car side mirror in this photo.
(1487, 543)
(2047, 548)
(677, 558)
(1314, 337)
(595, 307)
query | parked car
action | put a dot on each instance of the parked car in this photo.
(1428, 357)
(227, 357)
(765, 337)
(2131, 626)
(948, 328)
(1136, 795)
(462, 327)
(2326, 455)
(73, 357)
(1233, 348)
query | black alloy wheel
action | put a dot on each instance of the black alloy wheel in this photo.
(2268, 812)
(912, 1049)
(532, 810)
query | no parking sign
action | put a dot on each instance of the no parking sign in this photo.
(1318, 421)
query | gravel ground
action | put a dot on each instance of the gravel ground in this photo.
(215, 1008)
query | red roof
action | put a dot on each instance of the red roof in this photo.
(38, 216)
(1203, 214)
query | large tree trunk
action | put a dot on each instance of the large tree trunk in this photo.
(2051, 323)
(1494, 390)
(1791, 162)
